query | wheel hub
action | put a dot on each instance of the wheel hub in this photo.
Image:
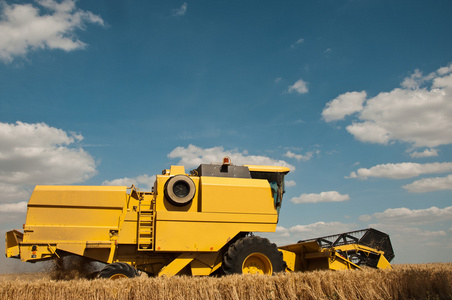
(257, 263)
(118, 276)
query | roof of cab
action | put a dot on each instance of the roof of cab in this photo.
(260, 168)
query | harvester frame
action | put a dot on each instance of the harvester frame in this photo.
(199, 223)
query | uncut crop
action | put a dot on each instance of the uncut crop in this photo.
(427, 281)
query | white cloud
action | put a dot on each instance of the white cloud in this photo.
(365, 218)
(23, 28)
(181, 11)
(298, 42)
(418, 113)
(320, 229)
(13, 192)
(418, 237)
(142, 181)
(299, 157)
(290, 183)
(426, 153)
(344, 105)
(331, 196)
(430, 184)
(401, 170)
(284, 232)
(33, 154)
(13, 207)
(300, 87)
(403, 215)
(193, 156)
(284, 236)
(416, 79)
(38, 153)
(445, 70)
(369, 132)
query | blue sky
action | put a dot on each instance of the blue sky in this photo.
(354, 96)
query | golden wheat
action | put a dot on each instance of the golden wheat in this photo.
(427, 281)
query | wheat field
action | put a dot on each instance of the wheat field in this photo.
(424, 281)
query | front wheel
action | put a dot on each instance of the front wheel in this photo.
(253, 255)
(118, 270)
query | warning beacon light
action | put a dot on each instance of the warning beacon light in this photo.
(226, 160)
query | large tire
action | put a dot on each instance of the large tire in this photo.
(118, 270)
(180, 190)
(253, 255)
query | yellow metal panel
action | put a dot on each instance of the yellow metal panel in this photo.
(36, 252)
(74, 214)
(112, 253)
(308, 256)
(12, 240)
(177, 170)
(128, 233)
(66, 216)
(306, 247)
(236, 195)
(55, 234)
(212, 218)
(320, 254)
(383, 263)
(199, 269)
(259, 168)
(131, 216)
(75, 248)
(98, 250)
(98, 244)
(99, 254)
(317, 264)
(358, 247)
(337, 262)
(26, 253)
(290, 259)
(200, 236)
(177, 265)
(85, 196)
(208, 258)
(205, 263)
(161, 204)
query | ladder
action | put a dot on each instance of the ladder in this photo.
(145, 238)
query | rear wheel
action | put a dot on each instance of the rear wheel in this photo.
(118, 270)
(253, 255)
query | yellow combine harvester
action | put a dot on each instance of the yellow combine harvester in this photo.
(197, 224)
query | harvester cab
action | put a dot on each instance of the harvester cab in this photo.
(275, 177)
(199, 223)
